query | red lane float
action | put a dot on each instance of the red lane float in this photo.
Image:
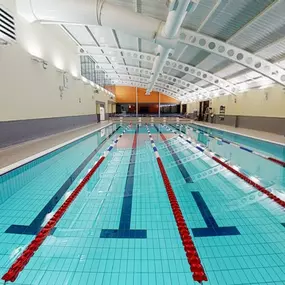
(24, 258)
(27, 254)
(252, 183)
(282, 163)
(194, 261)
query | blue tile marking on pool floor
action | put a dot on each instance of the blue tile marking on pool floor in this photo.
(212, 227)
(283, 224)
(181, 167)
(124, 230)
(35, 226)
(177, 128)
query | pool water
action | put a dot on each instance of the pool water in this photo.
(269, 174)
(271, 149)
(121, 229)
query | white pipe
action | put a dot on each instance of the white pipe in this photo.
(170, 30)
(157, 66)
(218, 2)
(59, 11)
(98, 12)
(130, 22)
(89, 12)
(175, 19)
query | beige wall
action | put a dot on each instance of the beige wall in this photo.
(269, 102)
(192, 107)
(28, 90)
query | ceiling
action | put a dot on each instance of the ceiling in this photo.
(256, 26)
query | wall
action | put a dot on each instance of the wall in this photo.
(49, 42)
(259, 109)
(31, 99)
(126, 94)
(28, 91)
(192, 107)
(267, 102)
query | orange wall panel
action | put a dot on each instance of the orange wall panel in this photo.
(151, 98)
(127, 94)
(167, 99)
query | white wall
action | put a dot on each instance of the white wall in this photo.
(29, 91)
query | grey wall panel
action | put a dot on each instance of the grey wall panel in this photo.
(14, 132)
(265, 124)
(229, 120)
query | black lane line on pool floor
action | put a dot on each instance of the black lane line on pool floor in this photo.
(212, 228)
(35, 225)
(124, 230)
(181, 167)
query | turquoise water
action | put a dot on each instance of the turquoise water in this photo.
(268, 173)
(267, 148)
(238, 233)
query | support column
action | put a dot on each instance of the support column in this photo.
(137, 103)
(159, 104)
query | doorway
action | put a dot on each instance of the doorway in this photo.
(204, 110)
(102, 113)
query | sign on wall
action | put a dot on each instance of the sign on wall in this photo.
(222, 112)
(65, 80)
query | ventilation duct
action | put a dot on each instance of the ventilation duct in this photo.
(89, 12)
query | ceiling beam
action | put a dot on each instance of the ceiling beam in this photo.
(198, 95)
(175, 80)
(144, 85)
(145, 80)
(233, 53)
(146, 57)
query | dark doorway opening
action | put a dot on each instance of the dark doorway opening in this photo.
(144, 110)
(204, 111)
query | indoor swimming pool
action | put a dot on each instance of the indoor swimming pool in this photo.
(146, 204)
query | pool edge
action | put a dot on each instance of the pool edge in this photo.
(28, 159)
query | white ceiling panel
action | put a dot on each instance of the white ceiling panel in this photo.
(132, 62)
(148, 47)
(146, 65)
(188, 77)
(127, 41)
(273, 51)
(81, 34)
(209, 62)
(202, 83)
(100, 59)
(103, 36)
(233, 68)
